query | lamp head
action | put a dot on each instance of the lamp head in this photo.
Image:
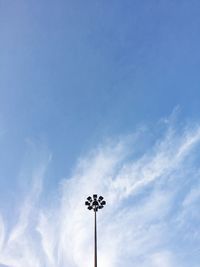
(95, 203)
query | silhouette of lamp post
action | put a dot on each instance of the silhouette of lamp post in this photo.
(95, 204)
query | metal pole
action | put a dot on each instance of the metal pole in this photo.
(95, 204)
(95, 239)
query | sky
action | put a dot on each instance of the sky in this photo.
(99, 97)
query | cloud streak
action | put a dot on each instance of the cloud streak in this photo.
(151, 219)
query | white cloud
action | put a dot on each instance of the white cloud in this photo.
(135, 226)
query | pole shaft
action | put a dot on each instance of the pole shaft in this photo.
(95, 239)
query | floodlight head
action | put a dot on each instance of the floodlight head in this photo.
(89, 199)
(95, 203)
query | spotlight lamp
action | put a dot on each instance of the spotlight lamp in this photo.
(95, 203)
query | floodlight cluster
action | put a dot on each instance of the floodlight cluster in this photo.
(95, 203)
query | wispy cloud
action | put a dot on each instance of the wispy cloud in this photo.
(151, 219)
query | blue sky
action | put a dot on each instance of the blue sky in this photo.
(103, 93)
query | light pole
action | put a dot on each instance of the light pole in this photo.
(95, 204)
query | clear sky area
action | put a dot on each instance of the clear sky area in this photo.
(100, 97)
